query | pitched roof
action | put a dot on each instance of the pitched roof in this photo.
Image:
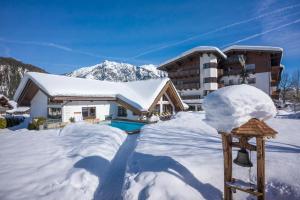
(254, 127)
(139, 94)
(194, 50)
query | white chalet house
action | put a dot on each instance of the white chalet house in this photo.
(61, 98)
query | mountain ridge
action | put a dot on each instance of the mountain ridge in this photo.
(117, 71)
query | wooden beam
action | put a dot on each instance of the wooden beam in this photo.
(227, 152)
(260, 143)
(250, 191)
(82, 98)
(243, 143)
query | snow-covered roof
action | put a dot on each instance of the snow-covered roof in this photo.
(232, 106)
(21, 109)
(193, 50)
(13, 103)
(252, 48)
(139, 94)
(193, 101)
(3, 96)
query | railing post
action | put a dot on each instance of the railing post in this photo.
(227, 152)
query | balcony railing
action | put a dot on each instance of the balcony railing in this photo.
(210, 65)
(210, 80)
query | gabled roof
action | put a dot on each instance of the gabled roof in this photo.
(139, 94)
(252, 48)
(254, 127)
(4, 101)
(194, 50)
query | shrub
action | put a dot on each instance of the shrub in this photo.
(31, 126)
(2, 123)
(36, 122)
(41, 121)
(13, 121)
(72, 119)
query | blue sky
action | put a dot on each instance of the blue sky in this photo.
(61, 36)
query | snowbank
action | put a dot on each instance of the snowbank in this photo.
(232, 106)
(53, 164)
(182, 159)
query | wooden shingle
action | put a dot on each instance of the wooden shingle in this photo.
(254, 128)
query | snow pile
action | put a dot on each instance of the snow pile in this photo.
(53, 164)
(232, 106)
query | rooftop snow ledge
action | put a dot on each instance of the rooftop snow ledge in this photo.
(232, 106)
(256, 48)
(195, 49)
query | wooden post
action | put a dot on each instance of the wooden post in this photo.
(260, 145)
(227, 152)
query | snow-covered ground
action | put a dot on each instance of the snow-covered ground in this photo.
(182, 159)
(53, 164)
(177, 159)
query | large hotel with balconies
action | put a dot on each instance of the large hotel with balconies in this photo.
(203, 69)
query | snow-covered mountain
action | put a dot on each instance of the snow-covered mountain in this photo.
(11, 73)
(115, 71)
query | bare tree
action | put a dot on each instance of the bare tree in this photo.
(285, 85)
(296, 84)
(244, 73)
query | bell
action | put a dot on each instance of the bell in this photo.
(242, 158)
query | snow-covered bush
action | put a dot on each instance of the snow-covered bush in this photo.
(232, 106)
(153, 118)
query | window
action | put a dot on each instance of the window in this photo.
(210, 65)
(250, 68)
(192, 108)
(210, 80)
(54, 113)
(88, 112)
(251, 80)
(165, 98)
(122, 112)
(167, 108)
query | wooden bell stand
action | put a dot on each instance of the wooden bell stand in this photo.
(253, 128)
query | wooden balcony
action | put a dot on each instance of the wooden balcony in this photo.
(184, 73)
(186, 86)
(275, 72)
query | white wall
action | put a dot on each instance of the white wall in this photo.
(103, 108)
(38, 105)
(263, 81)
(211, 72)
